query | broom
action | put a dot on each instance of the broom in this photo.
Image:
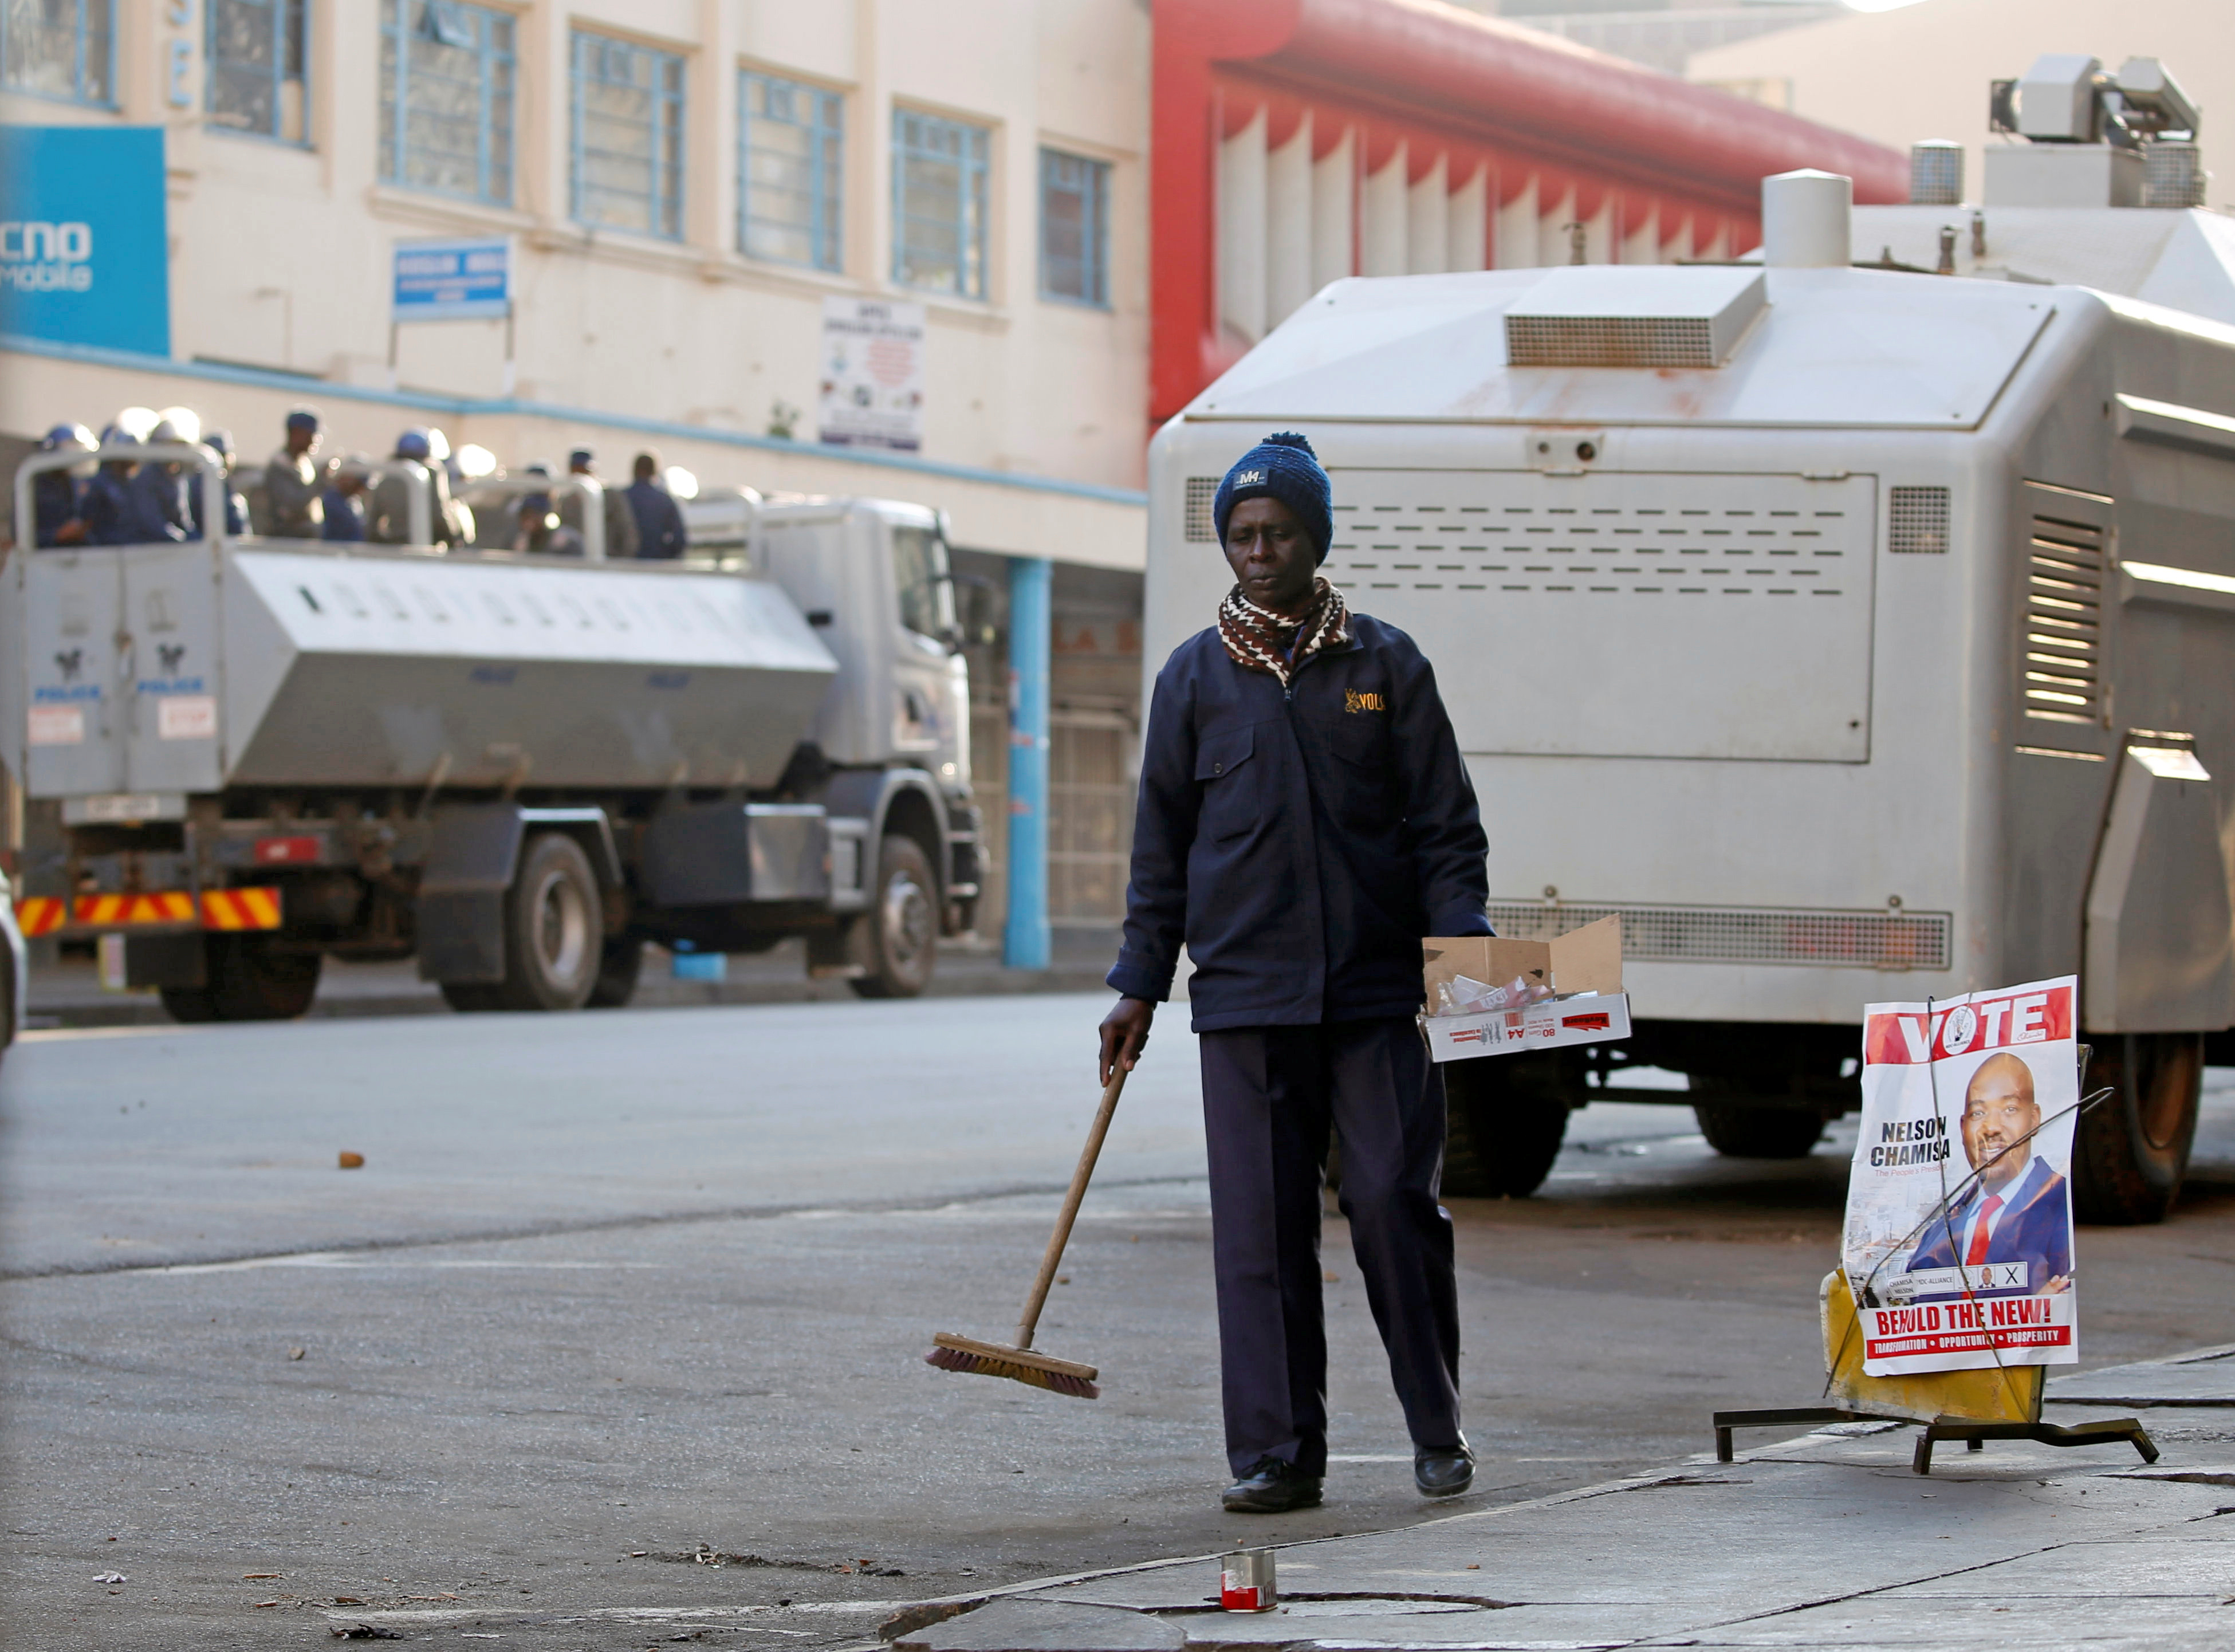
(1018, 1362)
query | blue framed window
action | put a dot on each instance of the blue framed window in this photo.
(792, 156)
(627, 136)
(257, 78)
(447, 73)
(1074, 228)
(59, 49)
(939, 190)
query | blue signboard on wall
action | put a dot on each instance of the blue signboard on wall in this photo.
(453, 280)
(84, 252)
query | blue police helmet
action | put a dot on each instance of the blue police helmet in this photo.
(413, 445)
(67, 436)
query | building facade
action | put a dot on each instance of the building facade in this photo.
(1073, 212)
(685, 185)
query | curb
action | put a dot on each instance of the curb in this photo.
(662, 994)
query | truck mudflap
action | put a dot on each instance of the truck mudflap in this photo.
(223, 910)
(473, 851)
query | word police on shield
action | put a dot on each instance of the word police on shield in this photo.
(453, 280)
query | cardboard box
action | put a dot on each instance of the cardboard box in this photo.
(1587, 959)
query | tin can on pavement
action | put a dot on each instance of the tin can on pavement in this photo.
(1245, 1582)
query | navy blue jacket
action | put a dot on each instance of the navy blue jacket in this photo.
(236, 509)
(1301, 843)
(54, 506)
(659, 531)
(115, 512)
(344, 515)
(159, 497)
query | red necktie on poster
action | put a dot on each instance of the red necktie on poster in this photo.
(1979, 1234)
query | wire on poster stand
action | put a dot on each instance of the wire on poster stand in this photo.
(1866, 1294)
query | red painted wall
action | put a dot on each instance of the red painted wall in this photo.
(1484, 91)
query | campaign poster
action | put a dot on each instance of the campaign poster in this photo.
(1958, 1237)
(872, 374)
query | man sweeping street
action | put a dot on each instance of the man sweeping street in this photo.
(1305, 819)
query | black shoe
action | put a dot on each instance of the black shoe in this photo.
(1272, 1487)
(1443, 1471)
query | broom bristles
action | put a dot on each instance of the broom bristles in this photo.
(988, 1364)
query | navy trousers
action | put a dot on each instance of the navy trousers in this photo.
(1270, 1097)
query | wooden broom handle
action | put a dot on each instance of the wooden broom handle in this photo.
(1072, 1200)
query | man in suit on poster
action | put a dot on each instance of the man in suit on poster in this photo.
(2017, 1211)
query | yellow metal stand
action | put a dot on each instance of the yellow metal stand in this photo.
(1974, 1406)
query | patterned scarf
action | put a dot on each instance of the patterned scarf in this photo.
(1257, 639)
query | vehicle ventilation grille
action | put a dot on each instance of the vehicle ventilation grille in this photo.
(1865, 939)
(2060, 679)
(1917, 521)
(1610, 341)
(2173, 174)
(1201, 529)
(1656, 537)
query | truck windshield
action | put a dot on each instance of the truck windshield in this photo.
(919, 576)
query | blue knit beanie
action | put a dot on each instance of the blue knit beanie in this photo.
(1281, 467)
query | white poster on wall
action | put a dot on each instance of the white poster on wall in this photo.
(872, 374)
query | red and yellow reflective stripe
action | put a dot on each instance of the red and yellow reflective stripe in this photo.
(122, 911)
(254, 908)
(39, 914)
(251, 908)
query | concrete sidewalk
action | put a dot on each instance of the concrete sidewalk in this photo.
(1827, 1541)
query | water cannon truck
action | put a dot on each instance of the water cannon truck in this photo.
(1856, 620)
(517, 769)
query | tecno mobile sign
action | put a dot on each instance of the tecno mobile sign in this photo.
(83, 257)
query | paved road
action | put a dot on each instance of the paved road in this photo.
(612, 1288)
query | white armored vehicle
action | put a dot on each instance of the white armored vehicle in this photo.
(518, 768)
(1856, 631)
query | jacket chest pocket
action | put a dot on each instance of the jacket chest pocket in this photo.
(1230, 782)
(1361, 741)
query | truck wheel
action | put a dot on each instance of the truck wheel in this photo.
(895, 940)
(619, 967)
(1506, 1117)
(1759, 1132)
(554, 928)
(249, 979)
(2131, 1149)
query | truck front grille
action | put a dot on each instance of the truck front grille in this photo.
(1863, 939)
